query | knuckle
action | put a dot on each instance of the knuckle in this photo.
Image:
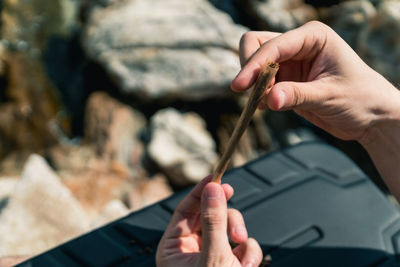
(211, 219)
(246, 36)
(316, 24)
(319, 27)
(298, 96)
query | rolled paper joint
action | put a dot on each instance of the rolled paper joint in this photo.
(264, 80)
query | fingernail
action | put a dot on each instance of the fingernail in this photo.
(240, 230)
(281, 99)
(212, 193)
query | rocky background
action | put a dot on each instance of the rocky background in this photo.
(107, 106)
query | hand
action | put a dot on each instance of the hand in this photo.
(321, 78)
(197, 232)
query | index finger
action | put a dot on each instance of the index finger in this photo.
(251, 42)
(303, 43)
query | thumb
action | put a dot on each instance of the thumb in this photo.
(214, 220)
(289, 95)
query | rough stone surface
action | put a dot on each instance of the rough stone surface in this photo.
(113, 129)
(114, 210)
(165, 49)
(26, 24)
(354, 16)
(278, 15)
(40, 214)
(108, 161)
(29, 107)
(12, 261)
(181, 146)
(378, 42)
(7, 187)
(68, 158)
(149, 191)
(97, 186)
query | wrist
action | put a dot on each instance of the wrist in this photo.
(385, 124)
(384, 132)
(382, 142)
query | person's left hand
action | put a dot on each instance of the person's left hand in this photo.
(197, 234)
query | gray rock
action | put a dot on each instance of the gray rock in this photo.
(7, 187)
(181, 146)
(354, 17)
(378, 42)
(278, 15)
(40, 214)
(165, 49)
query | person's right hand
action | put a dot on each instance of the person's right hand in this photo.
(321, 78)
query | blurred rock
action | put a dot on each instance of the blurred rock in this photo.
(354, 16)
(107, 163)
(378, 42)
(71, 159)
(7, 187)
(181, 146)
(255, 141)
(13, 163)
(149, 191)
(114, 210)
(97, 186)
(299, 135)
(113, 129)
(245, 150)
(93, 181)
(278, 15)
(29, 118)
(12, 261)
(26, 24)
(165, 49)
(40, 214)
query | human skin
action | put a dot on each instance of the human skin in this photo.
(197, 232)
(323, 80)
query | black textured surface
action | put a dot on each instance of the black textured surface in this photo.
(308, 205)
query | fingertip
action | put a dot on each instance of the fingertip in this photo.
(237, 84)
(245, 78)
(239, 234)
(253, 253)
(276, 98)
(229, 191)
(237, 228)
(212, 192)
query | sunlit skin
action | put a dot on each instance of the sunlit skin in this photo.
(322, 79)
(198, 232)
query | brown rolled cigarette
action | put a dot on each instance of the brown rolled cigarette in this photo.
(264, 79)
